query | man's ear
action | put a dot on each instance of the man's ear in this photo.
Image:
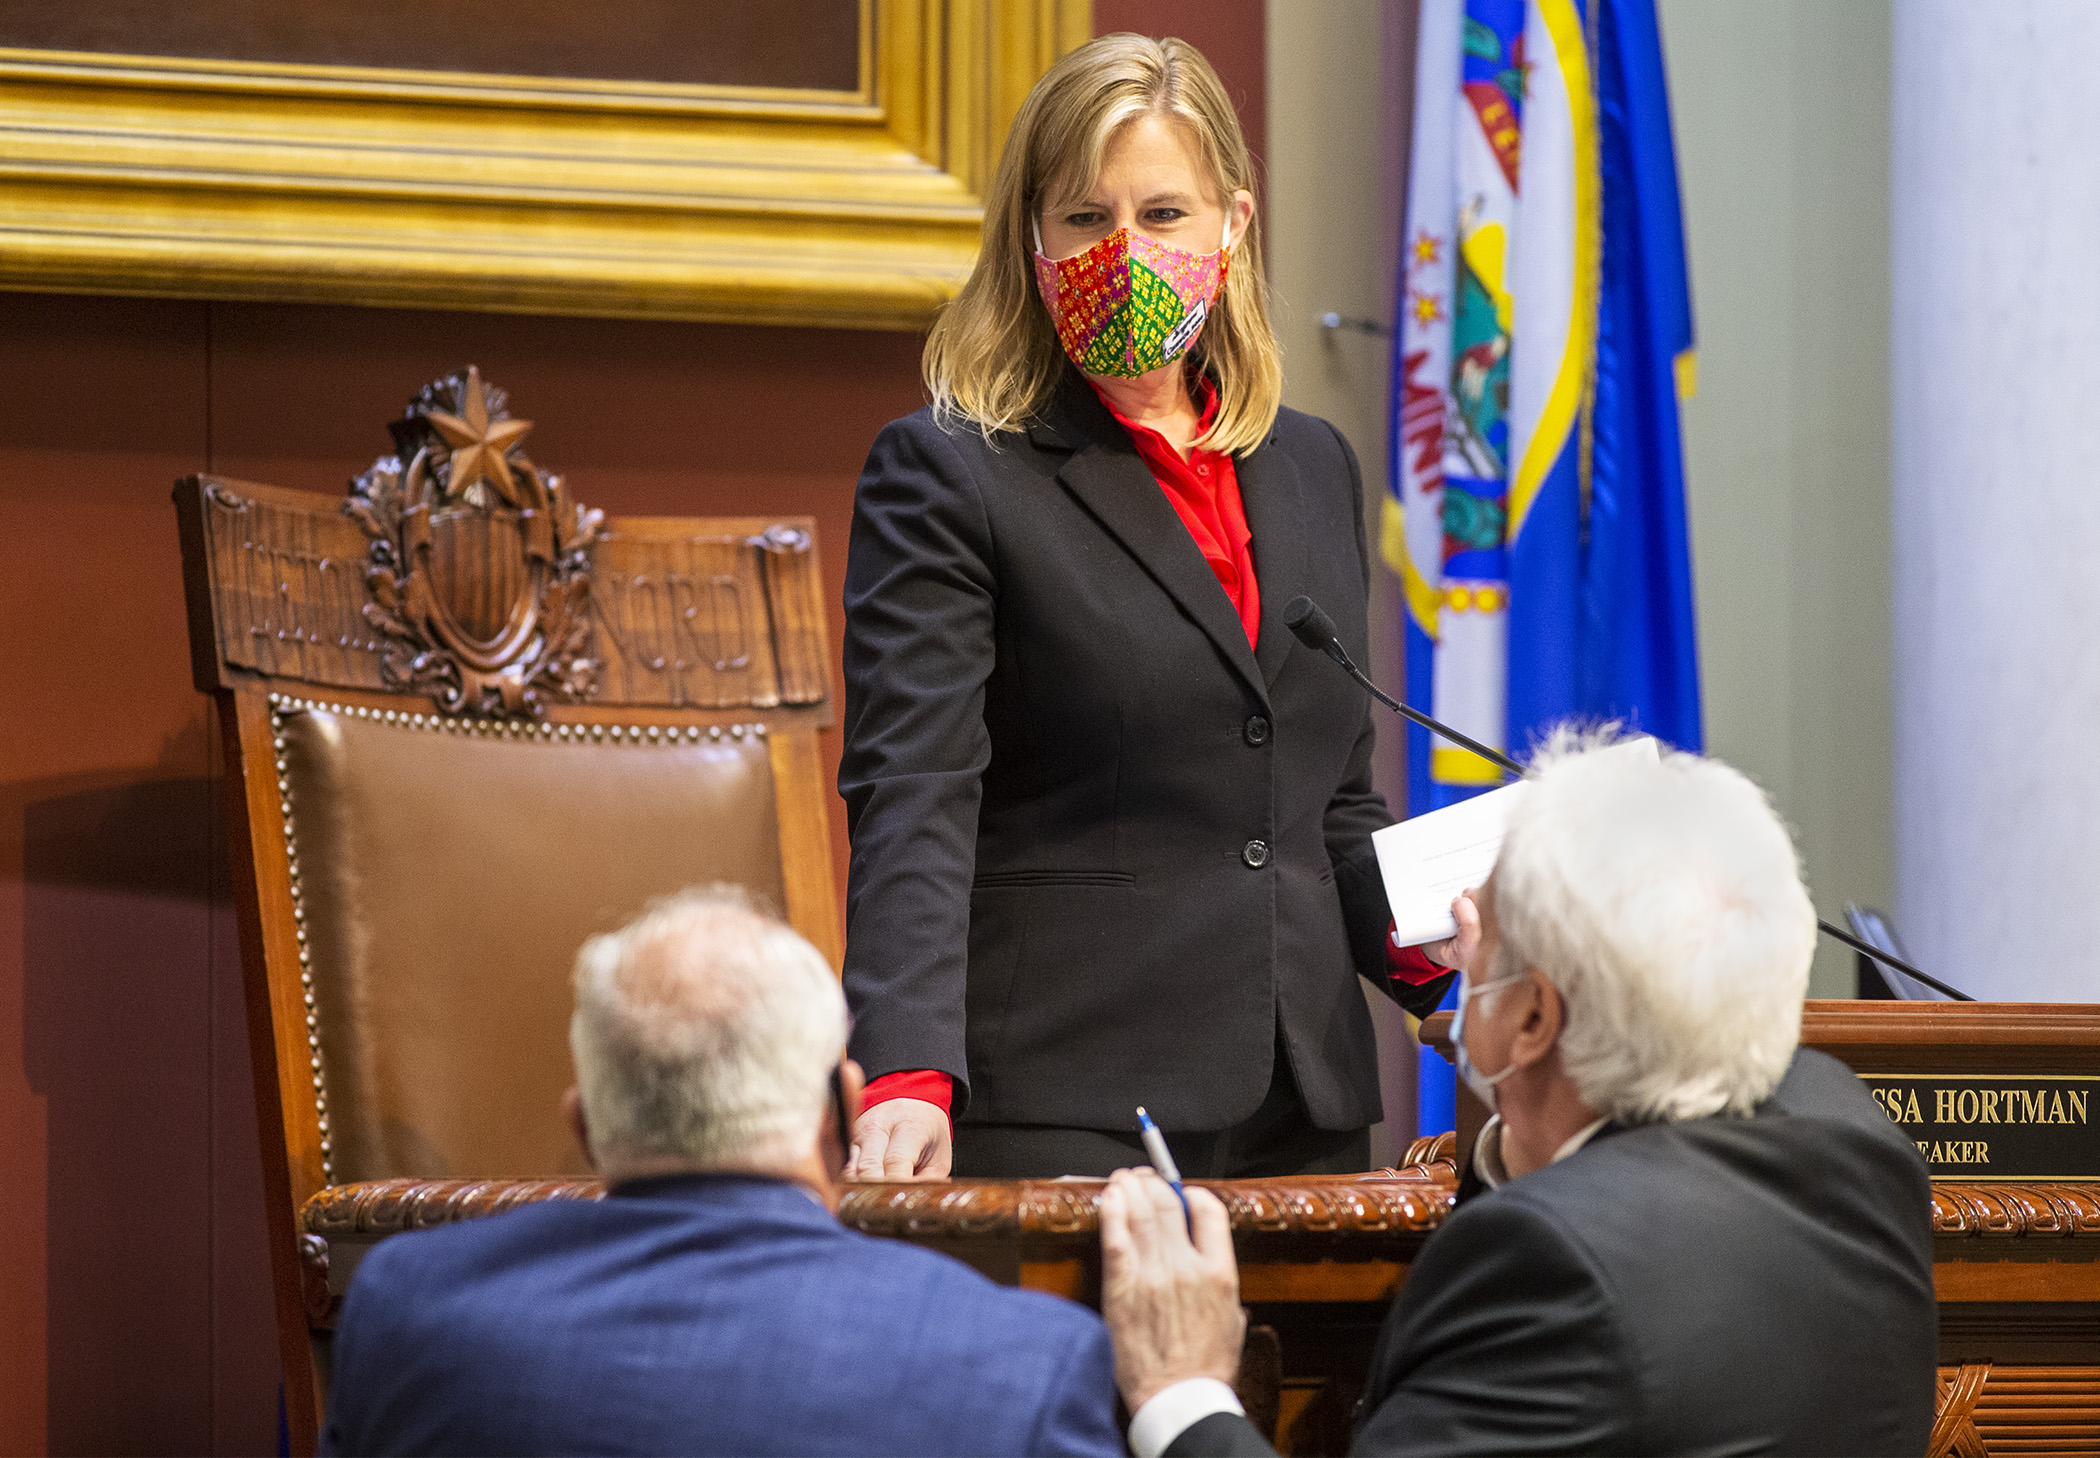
(1545, 1014)
(572, 1106)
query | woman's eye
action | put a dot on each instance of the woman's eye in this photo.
(1082, 220)
(1165, 215)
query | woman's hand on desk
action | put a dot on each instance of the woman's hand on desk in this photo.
(901, 1139)
(1458, 951)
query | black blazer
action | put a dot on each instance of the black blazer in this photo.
(1740, 1286)
(1101, 848)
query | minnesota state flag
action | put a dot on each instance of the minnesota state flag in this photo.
(1544, 340)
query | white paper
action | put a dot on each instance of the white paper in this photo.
(1428, 859)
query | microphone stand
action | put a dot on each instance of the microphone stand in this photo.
(1315, 629)
(1898, 963)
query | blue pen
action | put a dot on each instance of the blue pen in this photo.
(1162, 1160)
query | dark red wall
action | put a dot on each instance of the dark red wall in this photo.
(1231, 35)
(133, 1286)
(132, 1280)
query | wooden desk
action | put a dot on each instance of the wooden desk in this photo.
(2017, 1265)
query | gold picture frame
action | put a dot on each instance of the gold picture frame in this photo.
(357, 185)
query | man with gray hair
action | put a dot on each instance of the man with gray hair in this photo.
(711, 1303)
(1680, 1233)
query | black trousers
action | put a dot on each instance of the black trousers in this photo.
(1278, 1139)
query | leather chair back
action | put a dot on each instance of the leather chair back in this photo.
(470, 723)
(446, 881)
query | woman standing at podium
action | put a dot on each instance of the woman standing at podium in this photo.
(1111, 823)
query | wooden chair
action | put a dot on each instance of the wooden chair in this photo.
(468, 723)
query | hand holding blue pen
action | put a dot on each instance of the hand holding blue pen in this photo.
(1162, 1159)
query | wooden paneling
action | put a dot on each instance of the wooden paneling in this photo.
(1989, 1410)
(119, 987)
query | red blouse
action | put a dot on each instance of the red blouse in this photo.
(1204, 490)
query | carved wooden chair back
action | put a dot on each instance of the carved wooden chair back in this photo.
(468, 724)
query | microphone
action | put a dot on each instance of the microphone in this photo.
(1310, 625)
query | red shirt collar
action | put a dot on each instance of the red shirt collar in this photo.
(1206, 393)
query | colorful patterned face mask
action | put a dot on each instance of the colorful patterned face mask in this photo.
(1130, 303)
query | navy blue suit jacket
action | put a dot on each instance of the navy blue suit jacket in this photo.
(704, 1314)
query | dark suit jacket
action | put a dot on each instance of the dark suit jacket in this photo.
(1759, 1285)
(1101, 847)
(704, 1314)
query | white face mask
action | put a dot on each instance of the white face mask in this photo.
(1482, 1084)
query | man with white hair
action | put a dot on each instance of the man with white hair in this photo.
(711, 1303)
(1680, 1233)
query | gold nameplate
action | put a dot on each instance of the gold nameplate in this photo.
(1996, 1126)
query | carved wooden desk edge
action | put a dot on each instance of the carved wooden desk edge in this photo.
(2037, 1211)
(1407, 1201)
(1382, 1216)
(1049, 1229)
(1410, 1201)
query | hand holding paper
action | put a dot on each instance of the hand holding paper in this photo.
(1457, 950)
(1428, 860)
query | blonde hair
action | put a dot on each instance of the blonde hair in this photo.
(993, 358)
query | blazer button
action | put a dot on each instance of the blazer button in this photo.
(1256, 854)
(1257, 731)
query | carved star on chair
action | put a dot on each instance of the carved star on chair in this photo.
(480, 446)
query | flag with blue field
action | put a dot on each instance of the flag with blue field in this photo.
(1543, 342)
